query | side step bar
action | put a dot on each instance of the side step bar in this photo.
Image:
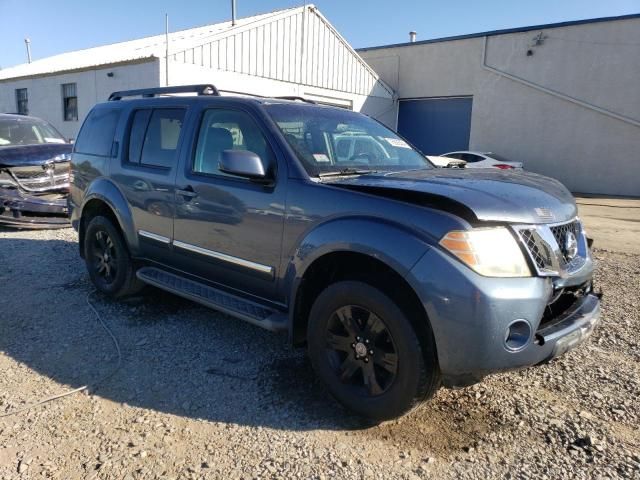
(213, 298)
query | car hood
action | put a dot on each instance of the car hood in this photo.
(476, 195)
(29, 155)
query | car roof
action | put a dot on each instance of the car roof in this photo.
(19, 115)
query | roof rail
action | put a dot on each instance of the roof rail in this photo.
(236, 92)
(294, 97)
(205, 89)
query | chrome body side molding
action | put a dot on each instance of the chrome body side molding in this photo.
(154, 236)
(224, 257)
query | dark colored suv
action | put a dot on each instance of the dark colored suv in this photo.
(399, 277)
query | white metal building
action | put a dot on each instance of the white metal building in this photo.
(562, 98)
(288, 52)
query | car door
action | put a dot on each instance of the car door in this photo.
(146, 174)
(229, 229)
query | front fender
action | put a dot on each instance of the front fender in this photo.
(395, 245)
(106, 191)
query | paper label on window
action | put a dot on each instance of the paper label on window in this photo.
(53, 140)
(321, 157)
(397, 142)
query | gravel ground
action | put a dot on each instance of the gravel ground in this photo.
(201, 395)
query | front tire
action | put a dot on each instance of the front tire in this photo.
(364, 348)
(107, 259)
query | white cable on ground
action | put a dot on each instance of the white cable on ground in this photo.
(85, 387)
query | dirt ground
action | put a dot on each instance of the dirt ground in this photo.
(614, 222)
(201, 395)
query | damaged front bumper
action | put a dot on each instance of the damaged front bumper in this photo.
(31, 210)
(487, 325)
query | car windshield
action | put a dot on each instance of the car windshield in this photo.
(331, 140)
(15, 130)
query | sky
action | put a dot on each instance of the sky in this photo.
(64, 25)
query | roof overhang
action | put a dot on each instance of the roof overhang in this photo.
(102, 66)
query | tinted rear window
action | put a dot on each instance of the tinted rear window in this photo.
(154, 135)
(96, 135)
(136, 134)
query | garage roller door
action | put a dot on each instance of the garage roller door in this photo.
(436, 125)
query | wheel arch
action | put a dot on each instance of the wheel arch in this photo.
(348, 265)
(376, 252)
(104, 198)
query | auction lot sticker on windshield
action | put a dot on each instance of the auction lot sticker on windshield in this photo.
(397, 142)
(321, 157)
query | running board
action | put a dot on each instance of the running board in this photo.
(213, 298)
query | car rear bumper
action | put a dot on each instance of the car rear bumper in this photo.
(21, 210)
(473, 323)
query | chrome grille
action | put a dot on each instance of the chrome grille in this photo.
(38, 179)
(534, 249)
(545, 245)
(560, 234)
(530, 243)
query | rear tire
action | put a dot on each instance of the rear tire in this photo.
(364, 348)
(107, 259)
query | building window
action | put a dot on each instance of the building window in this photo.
(22, 101)
(69, 102)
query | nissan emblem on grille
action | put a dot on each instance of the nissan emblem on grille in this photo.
(570, 245)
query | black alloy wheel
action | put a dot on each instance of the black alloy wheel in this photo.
(361, 350)
(103, 257)
(363, 346)
(107, 258)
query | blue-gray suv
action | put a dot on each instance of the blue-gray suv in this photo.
(398, 277)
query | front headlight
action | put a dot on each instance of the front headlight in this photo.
(492, 252)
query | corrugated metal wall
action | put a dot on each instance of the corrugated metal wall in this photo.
(299, 47)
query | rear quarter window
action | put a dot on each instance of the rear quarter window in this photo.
(97, 133)
(154, 135)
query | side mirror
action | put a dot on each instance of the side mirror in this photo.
(243, 163)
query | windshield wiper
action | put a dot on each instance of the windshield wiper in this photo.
(345, 171)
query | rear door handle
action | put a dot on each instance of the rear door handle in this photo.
(187, 192)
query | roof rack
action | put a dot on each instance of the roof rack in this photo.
(284, 97)
(205, 89)
(294, 97)
(235, 92)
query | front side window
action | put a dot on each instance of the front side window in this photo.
(69, 102)
(97, 133)
(222, 130)
(154, 135)
(22, 101)
(322, 137)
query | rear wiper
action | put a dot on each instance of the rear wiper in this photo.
(345, 171)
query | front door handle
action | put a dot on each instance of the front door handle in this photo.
(187, 192)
